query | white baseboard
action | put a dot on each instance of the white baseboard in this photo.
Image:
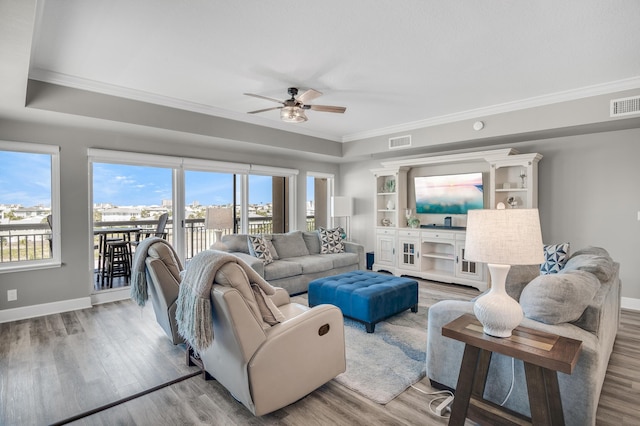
(16, 314)
(111, 296)
(630, 303)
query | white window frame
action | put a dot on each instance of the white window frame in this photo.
(182, 164)
(56, 260)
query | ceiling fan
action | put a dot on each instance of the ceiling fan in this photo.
(292, 110)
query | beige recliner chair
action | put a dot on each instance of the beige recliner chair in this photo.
(267, 367)
(163, 279)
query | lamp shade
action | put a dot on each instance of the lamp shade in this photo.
(341, 206)
(219, 218)
(505, 237)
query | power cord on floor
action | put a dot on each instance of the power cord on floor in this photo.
(513, 380)
(443, 396)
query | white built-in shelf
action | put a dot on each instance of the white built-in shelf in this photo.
(512, 190)
(435, 255)
(386, 193)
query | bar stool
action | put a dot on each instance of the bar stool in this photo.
(117, 261)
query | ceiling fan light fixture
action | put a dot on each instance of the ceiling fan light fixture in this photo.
(292, 114)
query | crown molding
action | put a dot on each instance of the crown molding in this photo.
(138, 95)
(142, 96)
(553, 98)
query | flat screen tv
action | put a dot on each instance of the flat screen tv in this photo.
(449, 194)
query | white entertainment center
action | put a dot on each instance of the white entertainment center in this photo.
(436, 251)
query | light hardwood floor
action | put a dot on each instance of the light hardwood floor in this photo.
(57, 366)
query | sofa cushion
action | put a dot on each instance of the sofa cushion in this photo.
(236, 242)
(558, 298)
(281, 269)
(313, 263)
(600, 266)
(555, 257)
(258, 248)
(312, 240)
(290, 244)
(331, 240)
(340, 260)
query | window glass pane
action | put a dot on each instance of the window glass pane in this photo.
(207, 191)
(127, 204)
(311, 203)
(25, 204)
(260, 204)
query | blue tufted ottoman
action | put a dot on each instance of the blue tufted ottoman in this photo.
(365, 296)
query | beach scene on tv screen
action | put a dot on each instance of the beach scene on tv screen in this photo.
(450, 194)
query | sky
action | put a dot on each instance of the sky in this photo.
(26, 178)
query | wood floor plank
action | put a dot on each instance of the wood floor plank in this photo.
(56, 366)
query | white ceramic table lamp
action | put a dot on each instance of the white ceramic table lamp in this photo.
(502, 238)
(218, 219)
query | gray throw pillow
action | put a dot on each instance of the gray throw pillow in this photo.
(290, 244)
(558, 298)
(600, 266)
(236, 242)
(312, 240)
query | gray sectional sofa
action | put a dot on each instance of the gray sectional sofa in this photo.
(297, 258)
(551, 301)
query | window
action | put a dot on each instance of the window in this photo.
(129, 187)
(29, 206)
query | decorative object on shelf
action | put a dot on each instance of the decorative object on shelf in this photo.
(390, 185)
(386, 221)
(506, 185)
(523, 176)
(502, 238)
(512, 202)
(500, 206)
(413, 222)
(390, 205)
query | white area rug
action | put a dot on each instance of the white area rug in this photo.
(381, 365)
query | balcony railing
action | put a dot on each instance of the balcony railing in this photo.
(21, 242)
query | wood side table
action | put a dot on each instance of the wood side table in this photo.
(543, 354)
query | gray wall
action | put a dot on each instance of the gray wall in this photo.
(588, 195)
(74, 280)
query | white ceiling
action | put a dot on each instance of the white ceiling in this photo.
(393, 64)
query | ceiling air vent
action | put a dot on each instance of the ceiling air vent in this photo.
(400, 142)
(625, 106)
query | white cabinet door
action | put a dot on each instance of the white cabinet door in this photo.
(409, 253)
(465, 268)
(385, 249)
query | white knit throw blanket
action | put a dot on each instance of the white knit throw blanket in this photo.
(193, 312)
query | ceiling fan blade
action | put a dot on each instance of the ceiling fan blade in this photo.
(263, 110)
(308, 96)
(327, 108)
(264, 97)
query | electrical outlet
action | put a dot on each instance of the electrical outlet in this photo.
(638, 214)
(12, 295)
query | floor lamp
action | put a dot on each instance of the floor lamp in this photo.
(502, 238)
(342, 207)
(218, 219)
